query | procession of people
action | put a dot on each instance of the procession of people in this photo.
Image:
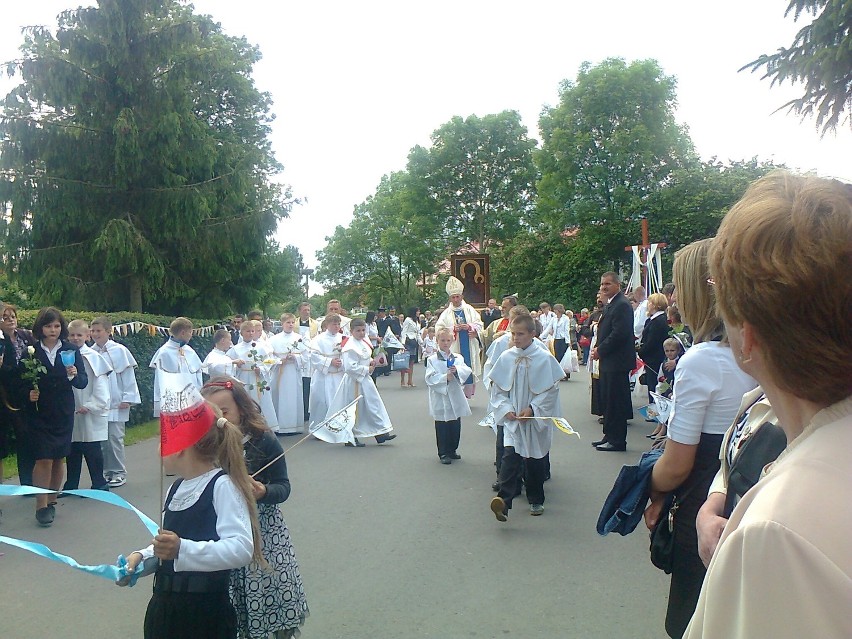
(320, 379)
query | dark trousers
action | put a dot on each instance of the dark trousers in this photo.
(498, 449)
(94, 462)
(617, 407)
(447, 436)
(306, 395)
(23, 450)
(514, 469)
(560, 346)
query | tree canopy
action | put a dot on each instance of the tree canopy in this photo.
(480, 173)
(393, 241)
(820, 57)
(136, 161)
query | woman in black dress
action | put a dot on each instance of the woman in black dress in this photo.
(50, 412)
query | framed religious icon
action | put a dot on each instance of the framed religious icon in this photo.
(474, 272)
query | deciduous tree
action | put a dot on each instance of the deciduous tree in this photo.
(481, 175)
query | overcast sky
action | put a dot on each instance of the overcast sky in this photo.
(357, 84)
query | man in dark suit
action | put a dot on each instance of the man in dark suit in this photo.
(617, 354)
(491, 313)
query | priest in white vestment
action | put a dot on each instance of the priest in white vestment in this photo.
(466, 324)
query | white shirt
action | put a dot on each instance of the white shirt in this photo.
(640, 315)
(51, 352)
(708, 389)
(233, 525)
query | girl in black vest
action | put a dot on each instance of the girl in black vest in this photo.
(209, 528)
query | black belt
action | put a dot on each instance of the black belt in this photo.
(192, 582)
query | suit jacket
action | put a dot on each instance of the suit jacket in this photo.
(56, 396)
(651, 345)
(615, 336)
(489, 315)
(382, 326)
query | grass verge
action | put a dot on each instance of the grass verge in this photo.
(134, 435)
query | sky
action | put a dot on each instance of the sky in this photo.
(356, 85)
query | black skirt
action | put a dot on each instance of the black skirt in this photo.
(183, 615)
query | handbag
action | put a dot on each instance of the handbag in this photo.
(401, 361)
(663, 535)
(585, 342)
(760, 448)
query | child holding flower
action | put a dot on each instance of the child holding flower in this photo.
(256, 358)
(50, 414)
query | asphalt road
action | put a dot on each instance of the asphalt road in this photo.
(391, 543)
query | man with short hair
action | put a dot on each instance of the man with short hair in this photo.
(640, 315)
(236, 323)
(498, 328)
(617, 355)
(490, 314)
(333, 307)
(308, 329)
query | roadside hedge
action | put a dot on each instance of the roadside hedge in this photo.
(142, 344)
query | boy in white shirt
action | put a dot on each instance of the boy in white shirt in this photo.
(447, 401)
(524, 385)
(123, 393)
(175, 357)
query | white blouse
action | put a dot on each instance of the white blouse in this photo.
(233, 525)
(708, 389)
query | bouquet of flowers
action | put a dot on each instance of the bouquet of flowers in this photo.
(33, 368)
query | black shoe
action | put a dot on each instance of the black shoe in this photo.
(495, 486)
(498, 507)
(381, 439)
(454, 455)
(610, 447)
(599, 442)
(446, 460)
(600, 420)
(357, 444)
(45, 516)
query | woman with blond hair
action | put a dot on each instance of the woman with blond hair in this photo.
(782, 567)
(708, 388)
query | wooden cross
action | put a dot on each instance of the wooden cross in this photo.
(644, 248)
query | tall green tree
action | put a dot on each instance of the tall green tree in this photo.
(136, 158)
(820, 57)
(611, 143)
(392, 242)
(481, 175)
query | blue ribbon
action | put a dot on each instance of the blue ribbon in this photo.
(107, 571)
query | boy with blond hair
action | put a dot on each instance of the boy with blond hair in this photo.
(123, 393)
(91, 414)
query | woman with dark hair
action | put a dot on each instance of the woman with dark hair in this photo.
(410, 336)
(13, 393)
(50, 411)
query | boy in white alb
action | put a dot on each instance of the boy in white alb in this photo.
(175, 357)
(289, 349)
(371, 417)
(256, 358)
(123, 393)
(217, 362)
(447, 402)
(91, 412)
(327, 367)
(524, 385)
